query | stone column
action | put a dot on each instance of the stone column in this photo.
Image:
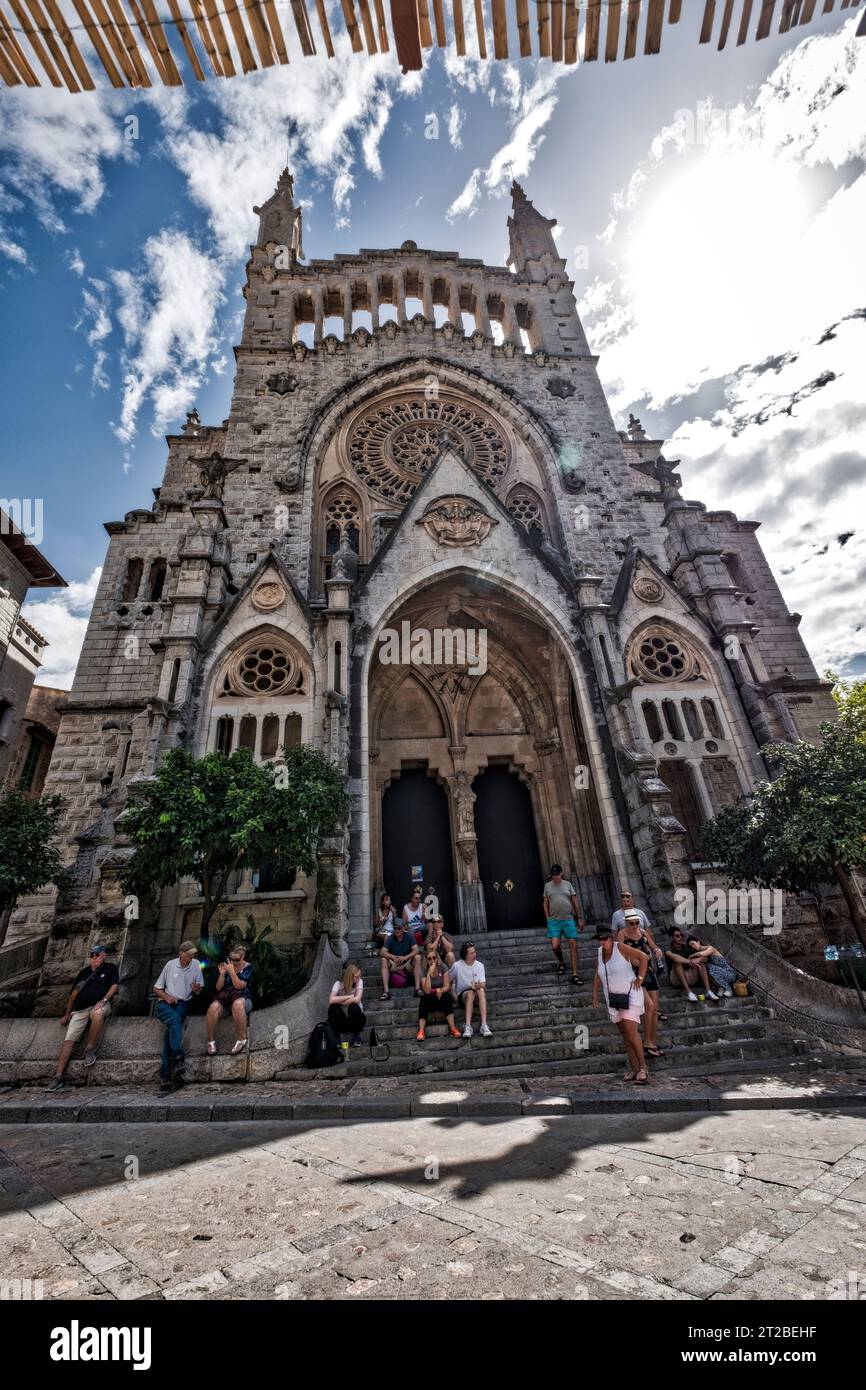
(482, 318)
(427, 298)
(347, 311)
(373, 286)
(318, 315)
(510, 326)
(290, 320)
(472, 916)
(400, 297)
(454, 302)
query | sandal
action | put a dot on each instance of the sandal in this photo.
(240, 1046)
(653, 1051)
(577, 980)
(559, 967)
(420, 1035)
(642, 1078)
(386, 995)
(628, 1076)
(211, 1049)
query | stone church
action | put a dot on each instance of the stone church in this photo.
(420, 542)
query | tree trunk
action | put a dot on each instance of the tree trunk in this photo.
(853, 898)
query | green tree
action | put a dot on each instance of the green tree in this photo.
(808, 826)
(850, 697)
(205, 818)
(29, 854)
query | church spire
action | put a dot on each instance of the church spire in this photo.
(280, 219)
(530, 238)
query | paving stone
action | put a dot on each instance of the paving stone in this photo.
(273, 1110)
(226, 1110)
(325, 1108)
(702, 1279)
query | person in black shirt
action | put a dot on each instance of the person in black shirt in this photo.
(87, 1010)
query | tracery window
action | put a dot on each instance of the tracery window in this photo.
(526, 508)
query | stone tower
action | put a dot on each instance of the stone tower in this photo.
(420, 542)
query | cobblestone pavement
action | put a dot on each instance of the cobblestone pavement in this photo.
(757, 1204)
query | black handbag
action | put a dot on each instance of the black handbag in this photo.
(377, 1046)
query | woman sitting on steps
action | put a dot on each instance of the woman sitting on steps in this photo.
(436, 996)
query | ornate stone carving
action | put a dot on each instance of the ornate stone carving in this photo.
(214, 471)
(289, 481)
(268, 595)
(561, 386)
(362, 336)
(268, 273)
(464, 802)
(299, 351)
(647, 588)
(392, 445)
(282, 383)
(636, 430)
(540, 357)
(457, 521)
(332, 344)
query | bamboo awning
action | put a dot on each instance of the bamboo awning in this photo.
(137, 47)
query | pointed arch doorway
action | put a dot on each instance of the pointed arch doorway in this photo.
(509, 863)
(416, 833)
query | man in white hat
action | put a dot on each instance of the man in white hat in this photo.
(179, 980)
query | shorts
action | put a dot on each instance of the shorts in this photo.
(633, 1015)
(561, 926)
(461, 998)
(80, 1021)
(225, 1009)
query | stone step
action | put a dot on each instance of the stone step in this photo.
(727, 1054)
(488, 1053)
(510, 1025)
(575, 1007)
(517, 1038)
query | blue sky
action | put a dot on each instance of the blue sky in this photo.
(710, 205)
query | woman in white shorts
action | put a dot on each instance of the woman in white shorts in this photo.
(618, 965)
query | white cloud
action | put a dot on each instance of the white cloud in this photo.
(456, 118)
(531, 108)
(167, 313)
(733, 250)
(95, 312)
(62, 619)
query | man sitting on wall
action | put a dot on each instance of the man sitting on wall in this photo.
(179, 980)
(400, 954)
(88, 1008)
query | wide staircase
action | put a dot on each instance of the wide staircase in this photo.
(542, 1024)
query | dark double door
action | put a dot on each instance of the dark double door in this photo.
(416, 833)
(508, 860)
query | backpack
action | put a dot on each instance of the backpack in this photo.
(323, 1049)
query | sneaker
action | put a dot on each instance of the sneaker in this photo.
(467, 1031)
(728, 993)
(89, 1056)
(712, 996)
(164, 1086)
(56, 1084)
(692, 997)
(485, 1031)
(211, 1049)
(357, 1041)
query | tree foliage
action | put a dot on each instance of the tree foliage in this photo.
(205, 818)
(29, 854)
(807, 826)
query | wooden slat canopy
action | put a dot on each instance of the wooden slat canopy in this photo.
(55, 40)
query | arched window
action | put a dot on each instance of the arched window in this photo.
(526, 508)
(132, 581)
(341, 527)
(259, 699)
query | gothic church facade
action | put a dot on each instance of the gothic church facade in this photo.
(419, 451)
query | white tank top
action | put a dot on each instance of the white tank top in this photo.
(617, 973)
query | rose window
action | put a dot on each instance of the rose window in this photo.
(261, 670)
(659, 656)
(392, 446)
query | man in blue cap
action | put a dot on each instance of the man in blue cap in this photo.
(88, 1009)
